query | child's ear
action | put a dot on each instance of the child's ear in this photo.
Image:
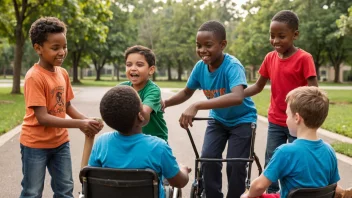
(297, 118)
(151, 70)
(223, 44)
(140, 117)
(296, 34)
(37, 49)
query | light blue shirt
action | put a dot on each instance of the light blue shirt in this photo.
(303, 164)
(139, 151)
(214, 84)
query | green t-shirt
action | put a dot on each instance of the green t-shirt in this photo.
(151, 96)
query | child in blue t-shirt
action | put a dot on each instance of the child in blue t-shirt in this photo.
(127, 147)
(308, 162)
(222, 79)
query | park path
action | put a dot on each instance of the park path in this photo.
(87, 101)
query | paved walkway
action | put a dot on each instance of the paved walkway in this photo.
(87, 101)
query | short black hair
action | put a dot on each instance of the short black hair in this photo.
(146, 52)
(43, 26)
(119, 108)
(217, 28)
(288, 17)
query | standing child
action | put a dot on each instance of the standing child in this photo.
(308, 162)
(140, 64)
(222, 79)
(288, 67)
(48, 92)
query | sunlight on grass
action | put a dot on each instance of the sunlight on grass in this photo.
(343, 148)
(12, 109)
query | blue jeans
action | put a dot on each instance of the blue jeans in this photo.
(239, 142)
(34, 163)
(277, 135)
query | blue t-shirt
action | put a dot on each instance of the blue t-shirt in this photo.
(139, 151)
(303, 164)
(214, 84)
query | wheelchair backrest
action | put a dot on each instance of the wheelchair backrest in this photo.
(323, 192)
(107, 182)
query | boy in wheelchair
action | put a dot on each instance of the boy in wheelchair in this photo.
(127, 147)
(308, 162)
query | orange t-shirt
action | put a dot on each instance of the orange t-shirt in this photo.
(51, 90)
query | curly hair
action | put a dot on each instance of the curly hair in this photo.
(43, 26)
(311, 103)
(119, 108)
(288, 17)
(217, 28)
(146, 52)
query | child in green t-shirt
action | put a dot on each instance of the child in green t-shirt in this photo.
(140, 64)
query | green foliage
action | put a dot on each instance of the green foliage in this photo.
(343, 148)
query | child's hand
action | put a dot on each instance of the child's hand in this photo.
(89, 127)
(187, 117)
(163, 106)
(101, 123)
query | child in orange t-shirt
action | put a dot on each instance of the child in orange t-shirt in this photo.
(48, 92)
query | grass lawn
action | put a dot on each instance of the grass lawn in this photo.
(12, 110)
(343, 148)
(339, 119)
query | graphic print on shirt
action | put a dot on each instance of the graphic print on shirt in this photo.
(214, 93)
(59, 106)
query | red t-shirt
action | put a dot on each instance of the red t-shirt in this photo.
(285, 75)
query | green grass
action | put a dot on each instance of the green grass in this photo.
(343, 148)
(339, 119)
(12, 110)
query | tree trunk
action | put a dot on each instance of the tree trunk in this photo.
(179, 71)
(16, 83)
(4, 72)
(154, 76)
(76, 56)
(116, 66)
(169, 77)
(81, 73)
(98, 74)
(337, 73)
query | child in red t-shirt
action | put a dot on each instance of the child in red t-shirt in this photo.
(287, 67)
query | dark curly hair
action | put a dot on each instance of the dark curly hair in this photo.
(119, 108)
(43, 26)
(217, 28)
(288, 17)
(146, 52)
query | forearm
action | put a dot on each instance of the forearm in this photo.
(53, 121)
(256, 190)
(73, 112)
(223, 101)
(252, 90)
(179, 98)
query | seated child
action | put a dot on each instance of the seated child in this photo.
(308, 162)
(127, 147)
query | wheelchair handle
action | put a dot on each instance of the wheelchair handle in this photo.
(198, 118)
(191, 138)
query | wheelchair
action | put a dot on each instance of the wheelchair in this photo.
(100, 182)
(323, 192)
(197, 186)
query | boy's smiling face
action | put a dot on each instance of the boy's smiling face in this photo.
(282, 37)
(209, 48)
(53, 51)
(138, 70)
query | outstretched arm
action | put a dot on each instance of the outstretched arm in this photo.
(312, 81)
(256, 88)
(179, 98)
(231, 99)
(258, 187)
(181, 179)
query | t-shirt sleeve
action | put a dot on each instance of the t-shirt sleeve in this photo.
(169, 166)
(94, 155)
(335, 177)
(263, 70)
(34, 93)
(236, 76)
(69, 91)
(152, 99)
(277, 167)
(308, 67)
(193, 80)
